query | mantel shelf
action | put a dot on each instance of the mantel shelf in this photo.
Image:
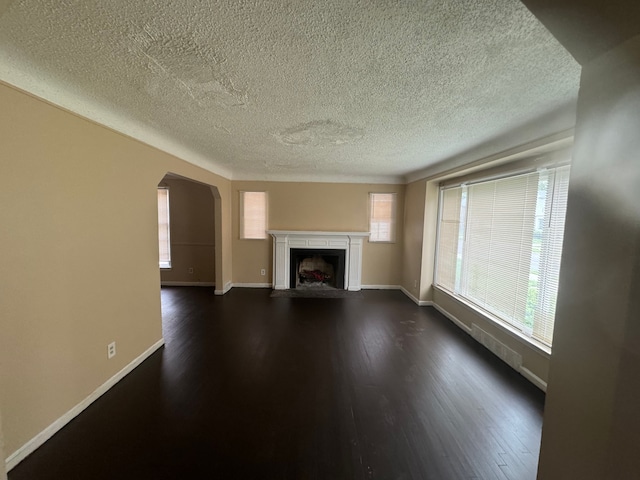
(276, 233)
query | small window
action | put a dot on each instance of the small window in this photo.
(164, 240)
(253, 215)
(382, 221)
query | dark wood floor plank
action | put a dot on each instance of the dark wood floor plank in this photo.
(249, 386)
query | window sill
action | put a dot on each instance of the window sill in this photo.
(539, 347)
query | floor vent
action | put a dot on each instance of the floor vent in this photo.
(510, 357)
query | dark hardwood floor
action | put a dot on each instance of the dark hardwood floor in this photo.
(253, 387)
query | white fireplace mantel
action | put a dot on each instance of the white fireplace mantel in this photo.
(350, 242)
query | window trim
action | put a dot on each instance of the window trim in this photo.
(393, 220)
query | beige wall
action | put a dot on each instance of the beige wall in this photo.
(413, 235)
(78, 225)
(320, 207)
(591, 425)
(192, 232)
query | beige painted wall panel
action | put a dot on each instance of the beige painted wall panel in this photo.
(79, 225)
(321, 207)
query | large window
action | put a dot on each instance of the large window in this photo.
(253, 215)
(382, 220)
(164, 239)
(499, 247)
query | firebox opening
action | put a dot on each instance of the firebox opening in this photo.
(317, 268)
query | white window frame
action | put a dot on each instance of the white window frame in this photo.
(165, 264)
(377, 227)
(258, 231)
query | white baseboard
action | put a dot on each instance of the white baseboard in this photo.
(380, 287)
(252, 285)
(533, 378)
(187, 284)
(453, 318)
(226, 288)
(16, 457)
(420, 303)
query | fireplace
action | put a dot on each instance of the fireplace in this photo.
(326, 245)
(316, 268)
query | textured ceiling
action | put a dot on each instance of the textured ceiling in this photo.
(367, 90)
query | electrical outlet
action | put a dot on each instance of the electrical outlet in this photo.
(263, 272)
(415, 284)
(190, 269)
(111, 350)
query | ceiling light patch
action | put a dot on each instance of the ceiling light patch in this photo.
(187, 66)
(220, 128)
(282, 166)
(320, 133)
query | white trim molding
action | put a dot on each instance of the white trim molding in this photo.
(228, 286)
(453, 318)
(533, 378)
(416, 300)
(171, 283)
(380, 287)
(251, 285)
(16, 457)
(350, 242)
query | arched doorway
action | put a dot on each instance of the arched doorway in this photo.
(194, 233)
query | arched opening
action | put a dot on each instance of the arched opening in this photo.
(192, 256)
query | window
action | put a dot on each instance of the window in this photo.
(499, 247)
(253, 215)
(382, 221)
(164, 227)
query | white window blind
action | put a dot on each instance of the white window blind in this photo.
(382, 217)
(164, 238)
(253, 215)
(499, 247)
